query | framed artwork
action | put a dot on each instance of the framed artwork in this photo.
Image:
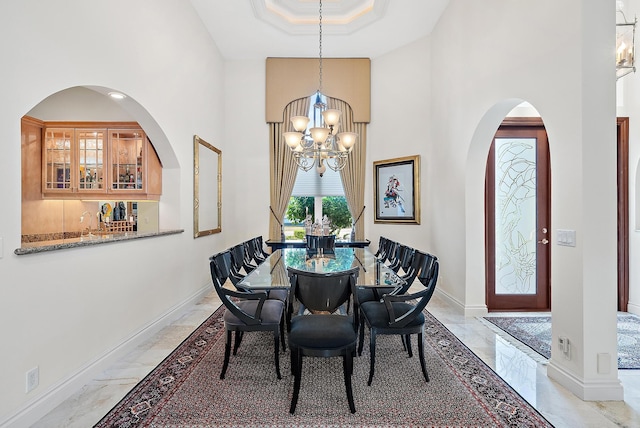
(397, 190)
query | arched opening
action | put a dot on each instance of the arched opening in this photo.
(475, 249)
(80, 213)
(518, 215)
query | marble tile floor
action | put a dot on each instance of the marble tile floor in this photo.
(524, 370)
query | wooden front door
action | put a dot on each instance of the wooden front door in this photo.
(518, 217)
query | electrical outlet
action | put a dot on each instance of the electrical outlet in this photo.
(565, 346)
(33, 379)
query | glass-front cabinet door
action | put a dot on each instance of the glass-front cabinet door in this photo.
(94, 161)
(91, 160)
(128, 152)
(57, 159)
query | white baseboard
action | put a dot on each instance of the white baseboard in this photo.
(458, 307)
(467, 310)
(59, 392)
(633, 308)
(609, 390)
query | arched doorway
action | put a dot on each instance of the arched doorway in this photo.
(518, 217)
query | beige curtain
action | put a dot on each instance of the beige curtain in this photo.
(284, 169)
(282, 165)
(353, 174)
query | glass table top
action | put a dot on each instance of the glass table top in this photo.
(272, 273)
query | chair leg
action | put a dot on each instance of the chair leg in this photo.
(372, 352)
(227, 353)
(347, 362)
(282, 322)
(296, 379)
(361, 341)
(421, 355)
(276, 350)
(408, 340)
(292, 355)
(237, 342)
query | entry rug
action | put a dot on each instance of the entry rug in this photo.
(535, 332)
(185, 390)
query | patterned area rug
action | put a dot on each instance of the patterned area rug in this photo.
(535, 332)
(185, 389)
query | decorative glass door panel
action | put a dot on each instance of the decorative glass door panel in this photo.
(91, 159)
(518, 218)
(515, 215)
(57, 159)
(127, 155)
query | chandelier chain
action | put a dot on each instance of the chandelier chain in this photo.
(321, 146)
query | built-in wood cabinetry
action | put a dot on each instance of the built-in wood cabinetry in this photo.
(99, 160)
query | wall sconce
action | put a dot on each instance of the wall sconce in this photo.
(625, 46)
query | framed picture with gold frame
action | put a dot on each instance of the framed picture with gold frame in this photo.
(397, 190)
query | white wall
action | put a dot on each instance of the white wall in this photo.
(401, 126)
(65, 311)
(246, 162)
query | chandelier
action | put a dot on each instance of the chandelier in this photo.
(322, 145)
(625, 44)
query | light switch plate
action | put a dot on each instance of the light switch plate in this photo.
(566, 237)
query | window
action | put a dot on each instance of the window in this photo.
(327, 193)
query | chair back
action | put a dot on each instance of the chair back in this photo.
(258, 252)
(418, 263)
(251, 255)
(391, 253)
(229, 297)
(382, 242)
(325, 242)
(312, 243)
(328, 244)
(403, 259)
(222, 264)
(429, 269)
(237, 257)
(422, 297)
(323, 291)
(248, 252)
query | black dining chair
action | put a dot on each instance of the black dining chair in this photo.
(228, 269)
(382, 242)
(315, 243)
(403, 260)
(246, 312)
(389, 252)
(418, 262)
(240, 268)
(323, 329)
(397, 314)
(252, 255)
(259, 255)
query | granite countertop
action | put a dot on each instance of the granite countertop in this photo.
(86, 241)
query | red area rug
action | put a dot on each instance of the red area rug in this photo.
(185, 390)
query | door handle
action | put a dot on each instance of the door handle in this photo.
(543, 241)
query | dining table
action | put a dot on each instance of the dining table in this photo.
(272, 273)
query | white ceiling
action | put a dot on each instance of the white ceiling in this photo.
(256, 29)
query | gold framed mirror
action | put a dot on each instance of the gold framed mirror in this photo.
(207, 188)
